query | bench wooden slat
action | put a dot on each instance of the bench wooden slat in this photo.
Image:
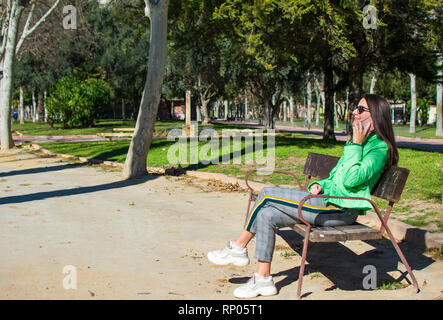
(360, 232)
(123, 129)
(319, 165)
(342, 233)
(321, 234)
(391, 184)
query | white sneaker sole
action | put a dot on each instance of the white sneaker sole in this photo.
(266, 291)
(239, 262)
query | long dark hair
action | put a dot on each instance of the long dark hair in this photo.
(381, 117)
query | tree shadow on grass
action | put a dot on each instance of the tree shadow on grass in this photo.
(76, 191)
(302, 143)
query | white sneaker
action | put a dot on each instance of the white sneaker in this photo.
(256, 286)
(229, 255)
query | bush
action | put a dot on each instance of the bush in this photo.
(76, 104)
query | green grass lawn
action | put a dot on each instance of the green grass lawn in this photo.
(426, 132)
(105, 126)
(43, 129)
(424, 182)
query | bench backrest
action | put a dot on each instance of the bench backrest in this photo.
(389, 186)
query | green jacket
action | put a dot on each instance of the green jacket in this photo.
(356, 173)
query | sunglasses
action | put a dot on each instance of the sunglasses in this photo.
(361, 109)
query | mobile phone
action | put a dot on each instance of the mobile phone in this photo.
(365, 124)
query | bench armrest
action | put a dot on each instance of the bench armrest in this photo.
(302, 202)
(280, 172)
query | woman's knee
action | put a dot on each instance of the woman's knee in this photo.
(265, 191)
(265, 215)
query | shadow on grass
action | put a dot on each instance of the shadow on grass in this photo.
(302, 143)
(75, 191)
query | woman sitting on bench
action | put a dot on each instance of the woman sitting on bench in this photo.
(370, 150)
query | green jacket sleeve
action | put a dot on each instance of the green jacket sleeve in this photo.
(361, 168)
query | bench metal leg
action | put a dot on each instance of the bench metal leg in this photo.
(391, 238)
(303, 261)
(399, 252)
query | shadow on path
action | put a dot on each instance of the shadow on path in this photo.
(41, 170)
(343, 267)
(75, 191)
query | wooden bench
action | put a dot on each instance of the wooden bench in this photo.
(123, 130)
(389, 187)
(111, 135)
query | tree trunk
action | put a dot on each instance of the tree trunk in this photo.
(321, 90)
(44, 106)
(439, 118)
(328, 129)
(8, 78)
(413, 104)
(246, 106)
(135, 164)
(216, 109)
(21, 107)
(291, 109)
(336, 113)
(285, 111)
(373, 82)
(317, 107)
(270, 113)
(226, 104)
(204, 111)
(40, 109)
(355, 88)
(309, 98)
(34, 107)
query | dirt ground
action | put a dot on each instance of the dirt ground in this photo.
(148, 239)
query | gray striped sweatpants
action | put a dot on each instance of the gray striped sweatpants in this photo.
(277, 207)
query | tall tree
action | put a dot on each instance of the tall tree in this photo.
(261, 43)
(11, 45)
(320, 29)
(194, 53)
(135, 164)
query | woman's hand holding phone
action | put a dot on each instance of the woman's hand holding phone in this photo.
(361, 130)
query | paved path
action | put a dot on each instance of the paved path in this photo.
(148, 238)
(77, 138)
